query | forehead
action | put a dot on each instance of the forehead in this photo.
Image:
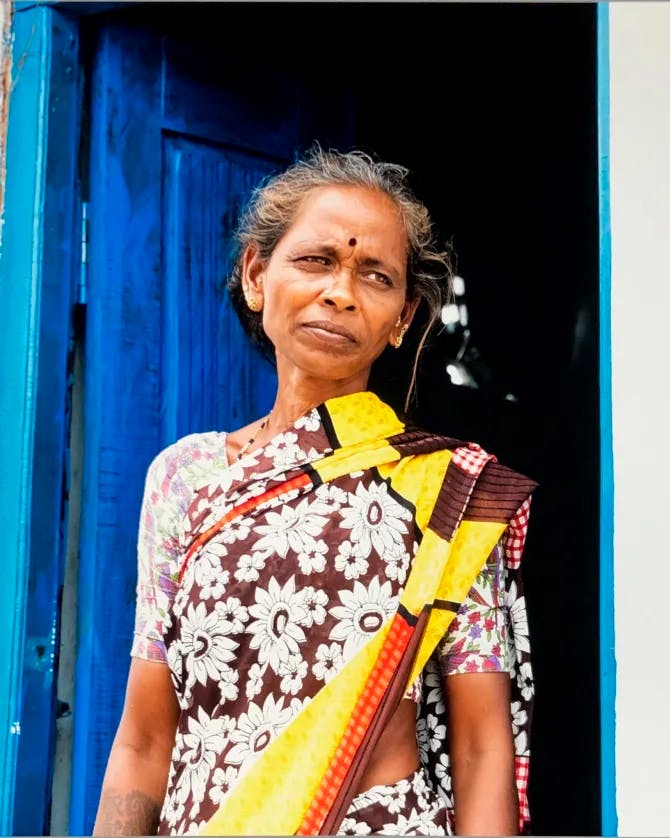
(368, 215)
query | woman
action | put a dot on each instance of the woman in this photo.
(321, 592)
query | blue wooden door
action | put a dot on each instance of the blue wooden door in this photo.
(179, 136)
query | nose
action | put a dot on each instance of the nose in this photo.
(340, 293)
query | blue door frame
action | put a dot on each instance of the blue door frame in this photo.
(38, 272)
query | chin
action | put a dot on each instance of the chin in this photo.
(329, 367)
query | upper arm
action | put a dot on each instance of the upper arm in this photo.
(150, 711)
(478, 705)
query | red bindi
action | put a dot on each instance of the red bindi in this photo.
(352, 242)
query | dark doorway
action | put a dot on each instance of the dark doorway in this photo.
(493, 108)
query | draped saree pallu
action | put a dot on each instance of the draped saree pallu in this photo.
(462, 503)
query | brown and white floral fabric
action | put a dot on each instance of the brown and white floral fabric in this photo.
(273, 606)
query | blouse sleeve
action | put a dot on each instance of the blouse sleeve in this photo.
(477, 640)
(158, 551)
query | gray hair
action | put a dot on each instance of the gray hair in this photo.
(274, 204)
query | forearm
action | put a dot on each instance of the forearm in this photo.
(485, 796)
(132, 793)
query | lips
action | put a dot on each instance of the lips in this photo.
(329, 326)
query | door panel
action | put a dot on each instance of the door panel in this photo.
(210, 378)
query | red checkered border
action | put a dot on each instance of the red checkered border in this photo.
(514, 537)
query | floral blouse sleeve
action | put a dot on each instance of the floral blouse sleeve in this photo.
(158, 551)
(477, 640)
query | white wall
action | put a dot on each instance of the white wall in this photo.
(640, 206)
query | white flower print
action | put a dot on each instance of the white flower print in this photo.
(521, 743)
(293, 527)
(419, 785)
(350, 826)
(315, 602)
(174, 660)
(519, 716)
(328, 661)
(298, 705)
(256, 728)
(350, 560)
(392, 797)
(310, 421)
(524, 680)
(519, 618)
(375, 518)
(332, 495)
(312, 559)
(417, 823)
(284, 451)
(173, 810)
(293, 672)
(228, 684)
(443, 772)
(235, 471)
(430, 733)
(205, 645)
(208, 573)
(248, 567)
(234, 612)
(182, 596)
(236, 530)
(279, 613)
(362, 613)
(397, 562)
(222, 781)
(205, 740)
(255, 680)
(433, 685)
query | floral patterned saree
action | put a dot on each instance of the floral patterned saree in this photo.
(321, 573)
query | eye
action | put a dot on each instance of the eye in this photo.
(314, 259)
(378, 276)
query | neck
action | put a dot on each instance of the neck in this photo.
(298, 393)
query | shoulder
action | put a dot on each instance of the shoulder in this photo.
(186, 463)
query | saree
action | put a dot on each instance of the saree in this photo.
(315, 579)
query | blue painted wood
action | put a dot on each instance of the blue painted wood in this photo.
(122, 391)
(57, 229)
(21, 277)
(607, 639)
(214, 380)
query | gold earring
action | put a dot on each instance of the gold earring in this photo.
(252, 302)
(398, 341)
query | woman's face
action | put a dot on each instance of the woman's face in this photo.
(335, 285)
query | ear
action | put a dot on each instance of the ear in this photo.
(409, 310)
(253, 271)
(403, 322)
